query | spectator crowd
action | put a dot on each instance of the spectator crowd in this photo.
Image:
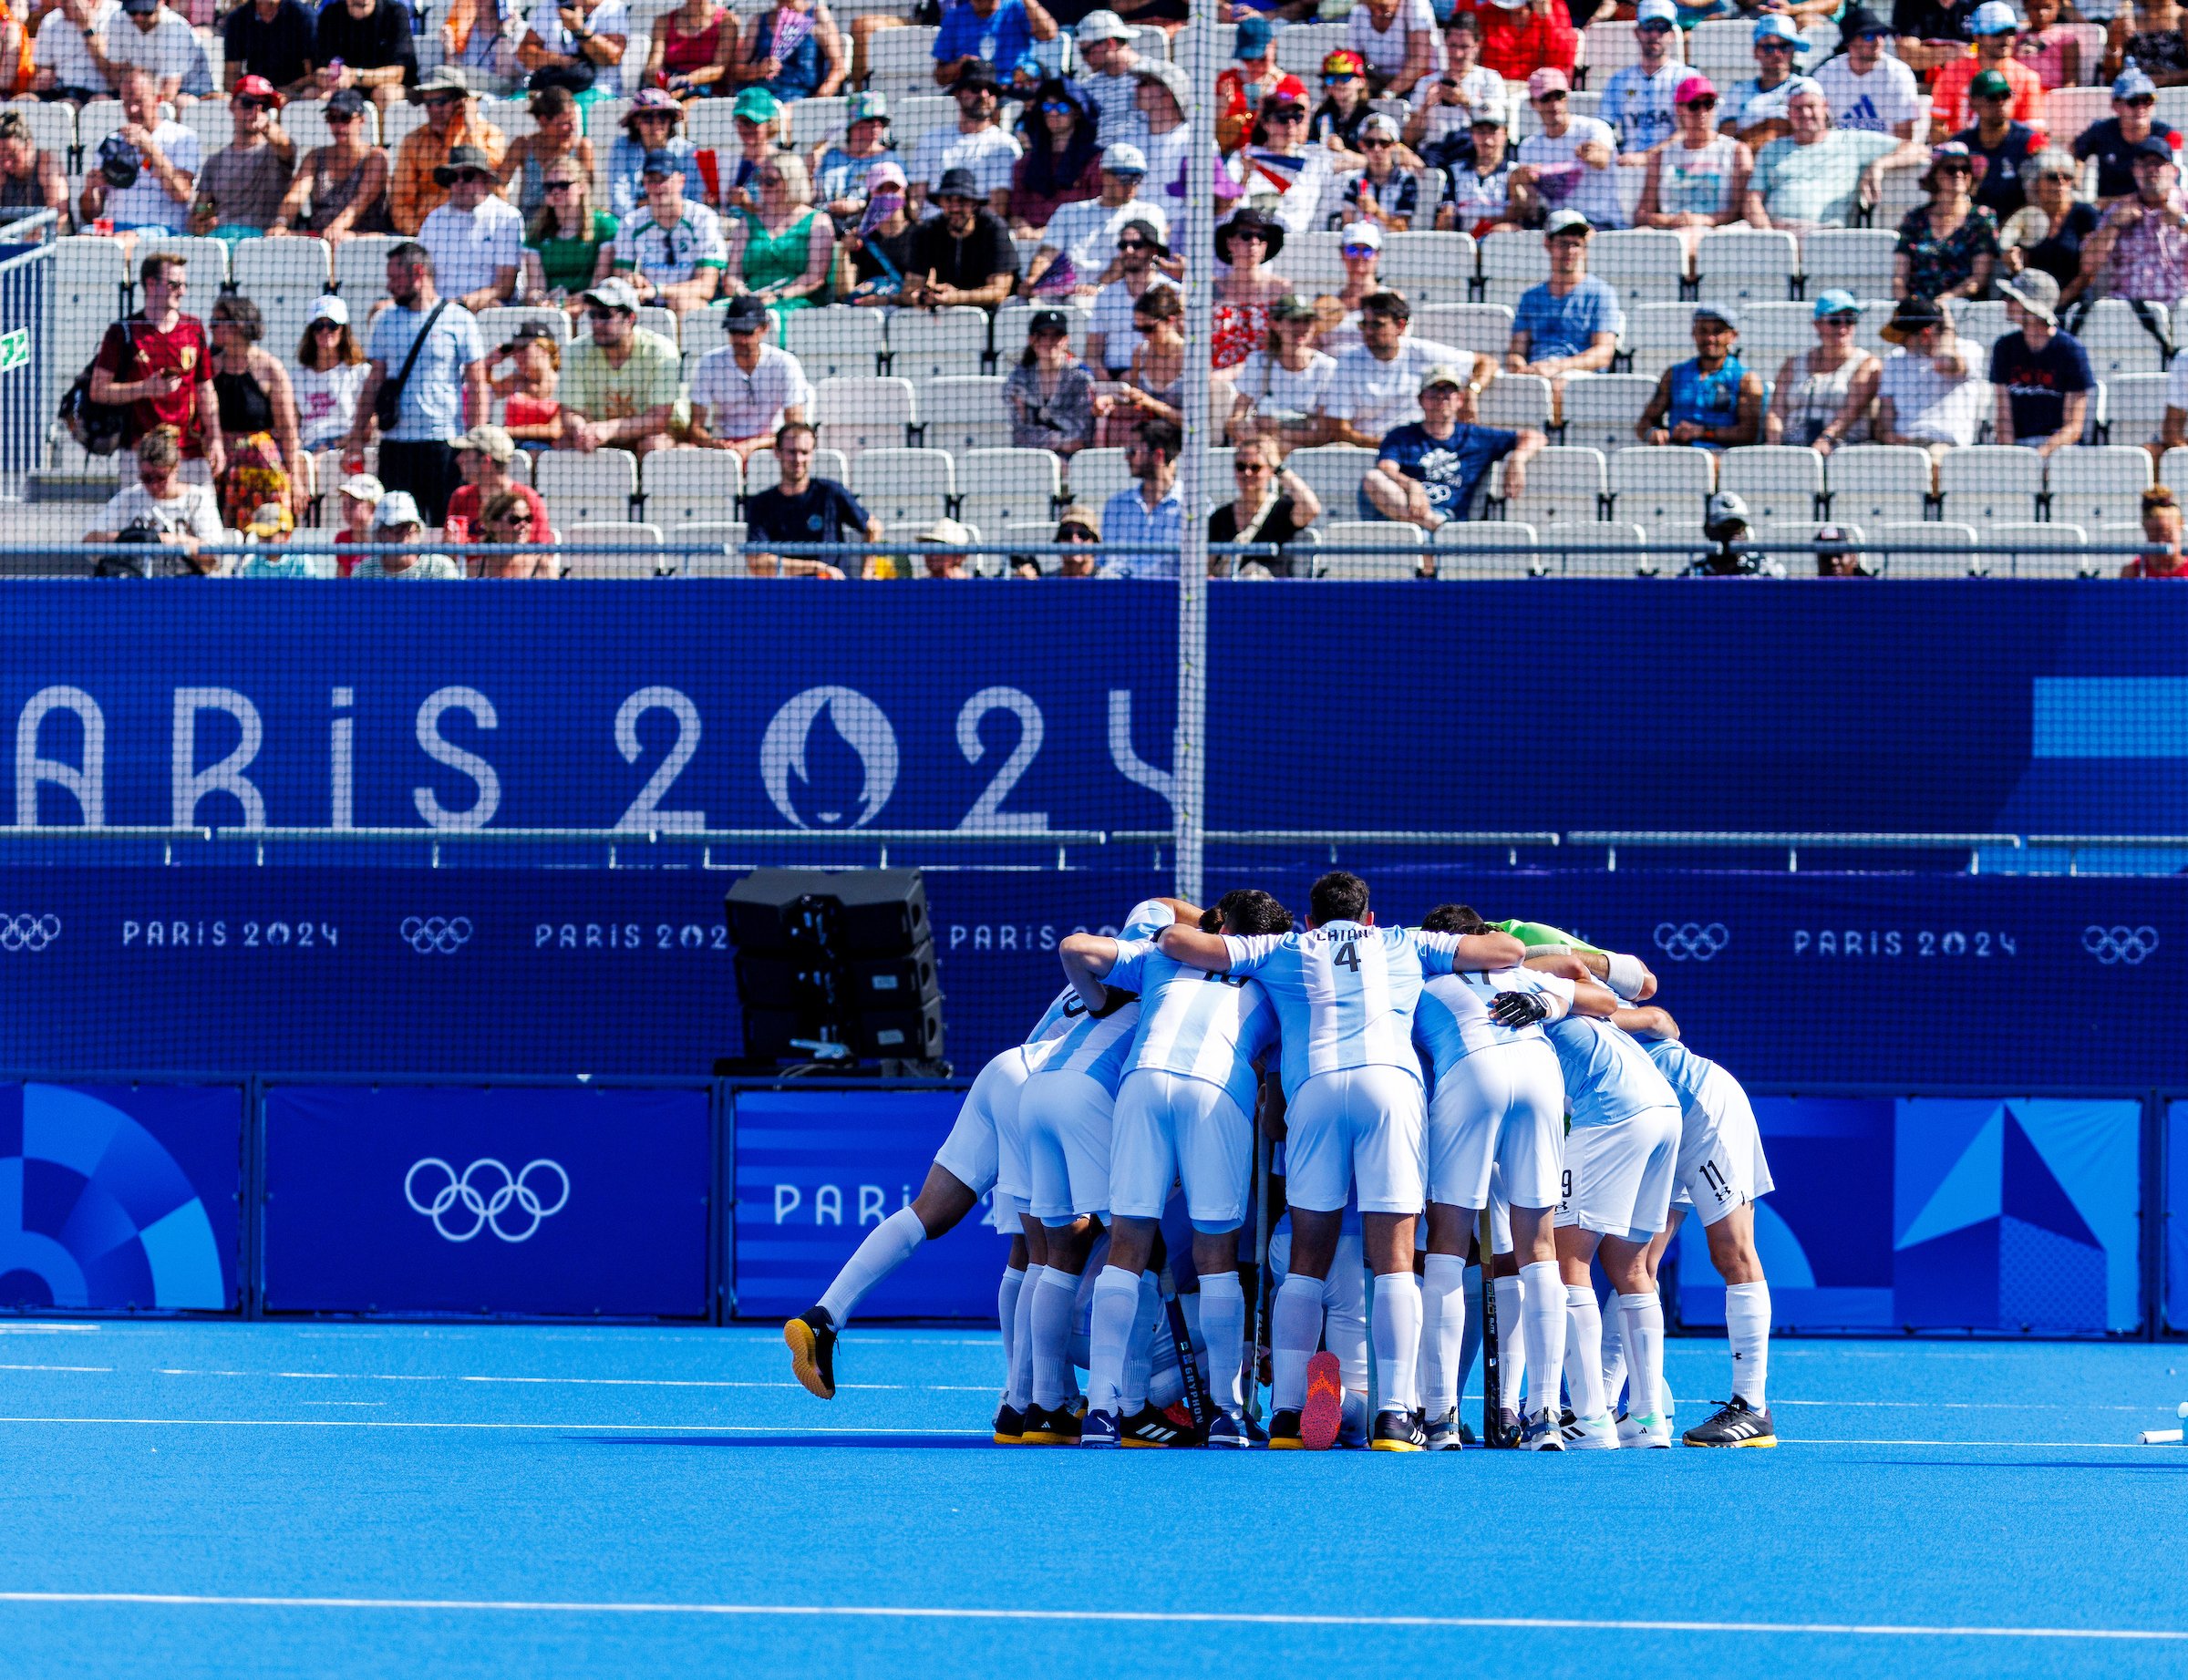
(1052, 197)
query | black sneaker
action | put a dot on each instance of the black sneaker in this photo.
(1397, 1431)
(1010, 1426)
(1508, 1427)
(1737, 1424)
(1235, 1430)
(1285, 1433)
(1044, 1427)
(1149, 1428)
(1445, 1434)
(811, 1339)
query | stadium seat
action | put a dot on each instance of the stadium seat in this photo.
(1482, 327)
(644, 560)
(1428, 267)
(88, 276)
(2030, 564)
(2068, 110)
(2118, 342)
(903, 486)
(1855, 260)
(1011, 326)
(835, 342)
(935, 343)
(1515, 400)
(2135, 407)
(1403, 541)
(855, 415)
(1609, 548)
(1950, 535)
(684, 486)
(271, 272)
(653, 318)
(1564, 487)
(964, 413)
(1990, 481)
(361, 271)
(2173, 471)
(1466, 551)
(2098, 486)
(901, 60)
(1302, 47)
(1096, 475)
(1980, 324)
(1744, 264)
(1658, 336)
(1770, 333)
(1777, 482)
(815, 122)
(1870, 483)
(704, 333)
(1511, 263)
(1652, 485)
(1644, 265)
(727, 535)
(1607, 49)
(1722, 49)
(498, 326)
(1312, 260)
(587, 490)
(1600, 409)
(762, 473)
(1332, 470)
(998, 487)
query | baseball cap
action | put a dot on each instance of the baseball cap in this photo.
(1913, 316)
(398, 508)
(1251, 39)
(137, 8)
(1990, 85)
(1656, 12)
(363, 487)
(273, 519)
(1360, 233)
(1170, 76)
(2156, 145)
(613, 294)
(1993, 17)
(259, 87)
(1694, 87)
(1795, 85)
(1291, 306)
(2134, 85)
(1123, 157)
(1548, 80)
(1835, 302)
(1955, 151)
(1717, 312)
(1725, 508)
(346, 102)
(1777, 26)
(745, 314)
(1380, 126)
(886, 174)
(1288, 90)
(1566, 222)
(652, 99)
(490, 441)
(662, 163)
(1102, 25)
(757, 105)
(331, 308)
(945, 532)
(1489, 113)
(1048, 321)
(463, 159)
(1443, 373)
(2036, 292)
(1343, 62)
(867, 107)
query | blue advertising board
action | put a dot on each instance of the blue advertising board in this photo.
(2019, 1215)
(2175, 1220)
(816, 1170)
(120, 1198)
(562, 1202)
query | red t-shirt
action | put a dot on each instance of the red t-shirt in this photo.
(1516, 44)
(2155, 564)
(466, 504)
(133, 349)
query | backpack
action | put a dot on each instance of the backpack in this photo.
(97, 426)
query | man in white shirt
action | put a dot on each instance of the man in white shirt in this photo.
(1110, 340)
(1867, 88)
(476, 239)
(1755, 110)
(164, 47)
(66, 63)
(974, 144)
(147, 171)
(1165, 95)
(1376, 385)
(1930, 396)
(671, 252)
(1637, 103)
(1082, 237)
(1111, 79)
(159, 509)
(1573, 164)
(743, 392)
(1399, 42)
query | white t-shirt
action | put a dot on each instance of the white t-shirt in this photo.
(988, 152)
(1166, 156)
(1478, 84)
(1112, 318)
(1638, 106)
(613, 17)
(169, 48)
(468, 246)
(2176, 387)
(746, 405)
(1567, 183)
(1878, 102)
(1086, 231)
(1387, 51)
(1273, 388)
(146, 203)
(1927, 406)
(1378, 396)
(189, 509)
(326, 401)
(60, 48)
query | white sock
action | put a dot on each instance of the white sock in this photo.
(1398, 1339)
(1542, 1329)
(1020, 1393)
(1138, 1359)
(1748, 1328)
(1116, 1303)
(1583, 1350)
(1512, 1344)
(1442, 1330)
(1006, 1313)
(1613, 1360)
(1052, 1305)
(1470, 1340)
(1345, 1318)
(1223, 1324)
(1294, 1327)
(1644, 1316)
(887, 1246)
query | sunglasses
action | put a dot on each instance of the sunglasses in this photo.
(1359, 251)
(1655, 25)
(433, 99)
(1838, 321)
(596, 313)
(1707, 103)
(1375, 145)
(1254, 234)
(1876, 35)
(463, 175)
(561, 186)
(1134, 245)
(336, 116)
(256, 104)
(1249, 466)
(1774, 44)
(1289, 113)
(1337, 80)
(327, 327)
(516, 519)
(1057, 108)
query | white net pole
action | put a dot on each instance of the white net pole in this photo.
(1195, 237)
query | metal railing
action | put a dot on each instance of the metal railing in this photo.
(1790, 843)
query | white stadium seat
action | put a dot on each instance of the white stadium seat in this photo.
(1777, 482)
(1957, 538)
(1743, 263)
(1564, 487)
(999, 487)
(1872, 483)
(692, 486)
(642, 542)
(1600, 409)
(899, 486)
(1651, 485)
(855, 415)
(587, 489)
(1990, 481)
(1458, 550)
(1404, 540)
(2098, 486)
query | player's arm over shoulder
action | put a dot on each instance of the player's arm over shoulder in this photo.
(1452, 952)
(1590, 999)
(1088, 959)
(1648, 1023)
(1216, 951)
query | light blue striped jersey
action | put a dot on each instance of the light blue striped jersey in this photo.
(1685, 1071)
(1099, 1048)
(1343, 993)
(1452, 1019)
(1201, 1025)
(1144, 921)
(1608, 1076)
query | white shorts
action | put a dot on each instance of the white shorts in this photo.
(1065, 1120)
(1006, 1215)
(1359, 1126)
(1721, 1163)
(1011, 1178)
(1619, 1178)
(1170, 1126)
(970, 1154)
(1502, 1106)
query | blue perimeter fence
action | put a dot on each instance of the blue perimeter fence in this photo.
(264, 1196)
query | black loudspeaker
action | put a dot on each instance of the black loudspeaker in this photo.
(836, 963)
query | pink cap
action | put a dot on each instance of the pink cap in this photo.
(1548, 80)
(1695, 88)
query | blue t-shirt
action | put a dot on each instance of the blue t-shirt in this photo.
(1705, 399)
(1567, 326)
(2037, 382)
(432, 403)
(1450, 467)
(826, 512)
(1001, 38)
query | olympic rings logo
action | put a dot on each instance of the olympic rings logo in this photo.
(1699, 940)
(485, 1210)
(437, 935)
(27, 933)
(2118, 944)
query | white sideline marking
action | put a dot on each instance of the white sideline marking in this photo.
(1874, 1630)
(98, 1370)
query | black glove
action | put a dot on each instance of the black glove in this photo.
(1518, 1008)
(1112, 1000)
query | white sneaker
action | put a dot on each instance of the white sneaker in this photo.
(1591, 1435)
(1652, 1430)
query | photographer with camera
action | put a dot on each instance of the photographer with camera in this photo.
(1731, 552)
(159, 512)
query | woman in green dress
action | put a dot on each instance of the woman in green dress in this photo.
(781, 251)
(565, 236)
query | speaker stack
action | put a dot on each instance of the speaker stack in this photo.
(836, 967)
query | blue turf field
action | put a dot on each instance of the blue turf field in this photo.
(354, 1500)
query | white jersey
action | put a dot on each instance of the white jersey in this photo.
(1876, 103)
(1143, 920)
(1345, 993)
(1608, 1076)
(1099, 1048)
(1452, 1020)
(1638, 106)
(1202, 1026)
